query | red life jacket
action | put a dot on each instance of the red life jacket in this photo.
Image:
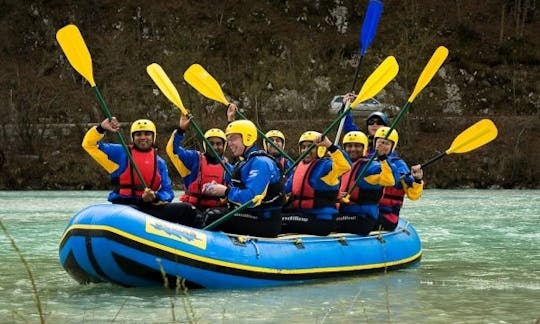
(208, 172)
(391, 203)
(358, 196)
(129, 183)
(303, 195)
(282, 162)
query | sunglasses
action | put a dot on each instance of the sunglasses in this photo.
(375, 122)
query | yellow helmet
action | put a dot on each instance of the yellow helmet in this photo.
(382, 133)
(310, 136)
(143, 125)
(244, 127)
(356, 137)
(274, 133)
(215, 132)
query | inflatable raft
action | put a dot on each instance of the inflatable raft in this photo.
(121, 245)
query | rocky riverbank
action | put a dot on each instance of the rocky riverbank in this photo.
(507, 162)
(282, 61)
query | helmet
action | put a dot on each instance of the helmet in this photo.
(245, 128)
(274, 133)
(381, 133)
(378, 114)
(310, 136)
(143, 125)
(356, 137)
(215, 132)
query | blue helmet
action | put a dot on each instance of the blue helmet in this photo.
(380, 115)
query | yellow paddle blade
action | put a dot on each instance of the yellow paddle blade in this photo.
(204, 83)
(473, 137)
(166, 86)
(437, 59)
(74, 47)
(384, 73)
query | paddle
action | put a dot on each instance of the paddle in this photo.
(253, 202)
(435, 62)
(206, 85)
(479, 134)
(74, 47)
(384, 73)
(367, 33)
(164, 84)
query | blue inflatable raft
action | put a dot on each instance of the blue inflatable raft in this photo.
(121, 245)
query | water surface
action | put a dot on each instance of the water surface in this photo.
(481, 264)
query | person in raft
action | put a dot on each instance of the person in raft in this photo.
(199, 168)
(154, 199)
(256, 176)
(278, 138)
(408, 182)
(359, 210)
(313, 187)
(374, 121)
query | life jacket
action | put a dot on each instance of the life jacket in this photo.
(208, 172)
(391, 203)
(281, 162)
(129, 184)
(282, 165)
(358, 196)
(274, 193)
(303, 195)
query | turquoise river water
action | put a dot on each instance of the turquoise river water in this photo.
(481, 264)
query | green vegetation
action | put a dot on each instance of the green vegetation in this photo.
(282, 61)
(26, 265)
